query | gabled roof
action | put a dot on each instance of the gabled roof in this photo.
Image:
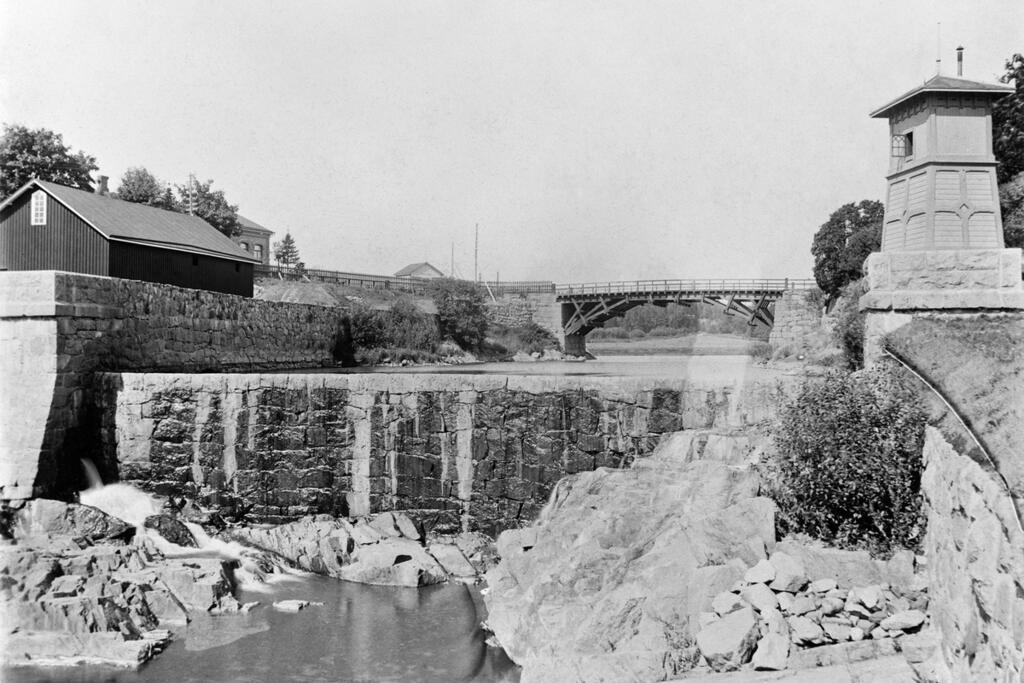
(960, 86)
(253, 225)
(413, 267)
(140, 224)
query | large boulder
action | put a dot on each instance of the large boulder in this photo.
(393, 562)
(41, 518)
(624, 562)
(171, 529)
(728, 643)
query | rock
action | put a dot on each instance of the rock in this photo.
(364, 534)
(842, 654)
(42, 517)
(785, 601)
(803, 604)
(384, 524)
(773, 622)
(836, 631)
(790, 575)
(726, 602)
(804, 631)
(772, 653)
(760, 596)
(878, 633)
(407, 527)
(857, 633)
(869, 596)
(903, 621)
(762, 572)
(479, 549)
(171, 529)
(849, 567)
(317, 543)
(822, 586)
(452, 560)
(830, 606)
(394, 562)
(838, 593)
(516, 541)
(597, 576)
(728, 643)
(921, 646)
(291, 605)
(67, 585)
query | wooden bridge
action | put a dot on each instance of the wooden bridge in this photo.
(589, 305)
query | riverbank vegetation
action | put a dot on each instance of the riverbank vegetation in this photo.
(847, 468)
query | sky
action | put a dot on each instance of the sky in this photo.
(589, 141)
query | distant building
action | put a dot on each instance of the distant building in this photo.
(46, 226)
(423, 270)
(254, 238)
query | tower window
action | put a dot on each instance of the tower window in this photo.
(903, 145)
(38, 208)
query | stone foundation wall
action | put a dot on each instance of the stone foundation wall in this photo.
(512, 312)
(483, 451)
(797, 318)
(975, 552)
(57, 328)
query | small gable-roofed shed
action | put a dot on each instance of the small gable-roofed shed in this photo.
(424, 270)
(46, 226)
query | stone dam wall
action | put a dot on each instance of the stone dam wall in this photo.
(476, 451)
(57, 329)
(798, 318)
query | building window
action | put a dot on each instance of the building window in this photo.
(257, 251)
(903, 145)
(245, 245)
(38, 208)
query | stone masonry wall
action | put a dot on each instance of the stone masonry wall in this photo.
(797, 319)
(57, 328)
(482, 451)
(975, 552)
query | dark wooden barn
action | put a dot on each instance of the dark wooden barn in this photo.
(45, 226)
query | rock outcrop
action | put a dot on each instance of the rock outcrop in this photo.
(649, 573)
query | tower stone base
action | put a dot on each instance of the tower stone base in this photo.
(901, 283)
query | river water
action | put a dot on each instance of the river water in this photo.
(360, 633)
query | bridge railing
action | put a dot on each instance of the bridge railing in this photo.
(708, 285)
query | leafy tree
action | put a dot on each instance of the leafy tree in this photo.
(210, 205)
(1008, 123)
(41, 153)
(843, 243)
(848, 461)
(140, 186)
(1011, 200)
(285, 251)
(461, 312)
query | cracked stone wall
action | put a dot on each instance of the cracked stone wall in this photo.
(797, 318)
(57, 329)
(474, 451)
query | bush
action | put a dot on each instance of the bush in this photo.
(461, 312)
(609, 333)
(528, 338)
(849, 330)
(404, 326)
(848, 463)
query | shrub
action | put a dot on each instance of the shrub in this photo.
(849, 329)
(461, 312)
(609, 333)
(760, 350)
(637, 334)
(403, 326)
(848, 463)
(508, 339)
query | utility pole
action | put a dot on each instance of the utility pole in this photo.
(191, 194)
(452, 269)
(476, 252)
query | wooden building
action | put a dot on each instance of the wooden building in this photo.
(46, 226)
(420, 270)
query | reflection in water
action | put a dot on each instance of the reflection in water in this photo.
(361, 633)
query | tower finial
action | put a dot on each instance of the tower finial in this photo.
(938, 48)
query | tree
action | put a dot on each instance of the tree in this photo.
(285, 251)
(1011, 201)
(210, 205)
(1008, 123)
(26, 154)
(461, 313)
(843, 243)
(140, 186)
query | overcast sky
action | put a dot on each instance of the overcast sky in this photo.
(589, 140)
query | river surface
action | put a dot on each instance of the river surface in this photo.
(360, 633)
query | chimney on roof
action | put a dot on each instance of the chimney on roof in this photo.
(960, 61)
(102, 185)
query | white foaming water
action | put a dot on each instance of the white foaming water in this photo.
(255, 569)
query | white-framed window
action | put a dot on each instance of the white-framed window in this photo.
(38, 208)
(257, 251)
(245, 245)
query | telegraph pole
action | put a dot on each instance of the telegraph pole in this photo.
(476, 251)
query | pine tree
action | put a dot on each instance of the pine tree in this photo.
(285, 251)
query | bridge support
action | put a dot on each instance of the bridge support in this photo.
(575, 344)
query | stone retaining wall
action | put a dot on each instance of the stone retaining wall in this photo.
(797, 319)
(486, 449)
(57, 328)
(975, 552)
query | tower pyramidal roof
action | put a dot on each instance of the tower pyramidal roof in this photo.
(945, 84)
